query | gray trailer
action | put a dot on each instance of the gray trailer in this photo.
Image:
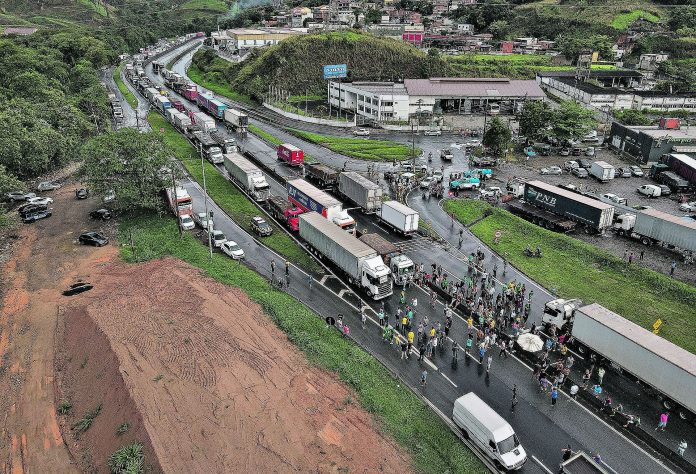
(399, 217)
(357, 260)
(360, 190)
(248, 176)
(651, 226)
(664, 366)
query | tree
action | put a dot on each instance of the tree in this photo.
(497, 137)
(129, 163)
(535, 119)
(571, 120)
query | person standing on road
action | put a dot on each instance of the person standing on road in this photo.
(664, 417)
(424, 377)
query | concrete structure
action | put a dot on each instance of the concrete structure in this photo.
(248, 38)
(648, 144)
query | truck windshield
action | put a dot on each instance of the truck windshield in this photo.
(508, 444)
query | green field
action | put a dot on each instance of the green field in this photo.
(371, 150)
(397, 410)
(130, 97)
(227, 196)
(623, 21)
(580, 270)
(210, 5)
(214, 82)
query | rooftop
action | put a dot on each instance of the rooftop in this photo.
(473, 87)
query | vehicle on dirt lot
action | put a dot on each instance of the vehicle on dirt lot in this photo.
(16, 196)
(649, 190)
(623, 173)
(81, 193)
(231, 249)
(551, 170)
(40, 200)
(36, 215)
(636, 171)
(93, 238)
(102, 214)
(580, 172)
(688, 206)
(361, 132)
(47, 186)
(217, 237)
(260, 226)
(564, 152)
(187, 222)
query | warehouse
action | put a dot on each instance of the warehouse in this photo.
(648, 144)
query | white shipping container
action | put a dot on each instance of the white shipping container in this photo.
(399, 216)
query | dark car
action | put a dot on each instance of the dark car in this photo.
(260, 226)
(30, 217)
(81, 193)
(93, 238)
(30, 208)
(103, 214)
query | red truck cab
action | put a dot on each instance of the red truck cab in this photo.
(290, 154)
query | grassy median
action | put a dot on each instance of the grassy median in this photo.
(400, 413)
(227, 196)
(579, 270)
(130, 97)
(363, 149)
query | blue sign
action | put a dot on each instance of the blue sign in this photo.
(335, 71)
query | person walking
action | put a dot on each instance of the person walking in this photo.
(424, 378)
(554, 395)
(664, 418)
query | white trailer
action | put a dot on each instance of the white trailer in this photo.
(248, 176)
(204, 121)
(357, 260)
(651, 226)
(399, 217)
(360, 190)
(603, 171)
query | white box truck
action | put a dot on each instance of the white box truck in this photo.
(489, 431)
(603, 171)
(360, 190)
(651, 226)
(357, 260)
(399, 217)
(248, 176)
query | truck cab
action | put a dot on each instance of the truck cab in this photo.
(402, 269)
(559, 312)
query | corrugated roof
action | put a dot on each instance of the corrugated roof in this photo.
(473, 87)
(652, 342)
(570, 195)
(689, 224)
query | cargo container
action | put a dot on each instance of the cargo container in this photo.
(595, 216)
(236, 119)
(284, 211)
(162, 103)
(290, 154)
(651, 226)
(179, 201)
(357, 260)
(204, 121)
(360, 190)
(247, 175)
(399, 217)
(211, 105)
(309, 198)
(603, 171)
(683, 165)
(662, 365)
(190, 91)
(323, 175)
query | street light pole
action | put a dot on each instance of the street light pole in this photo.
(207, 214)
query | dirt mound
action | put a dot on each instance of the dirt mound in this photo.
(212, 383)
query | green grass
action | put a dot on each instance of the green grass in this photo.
(371, 150)
(127, 460)
(214, 82)
(209, 5)
(130, 97)
(580, 270)
(227, 196)
(398, 411)
(623, 21)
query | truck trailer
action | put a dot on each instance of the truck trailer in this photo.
(290, 154)
(360, 190)
(399, 217)
(324, 176)
(236, 119)
(357, 260)
(651, 226)
(664, 366)
(211, 105)
(595, 216)
(308, 198)
(248, 176)
(284, 211)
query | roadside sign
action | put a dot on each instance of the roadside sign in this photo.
(335, 71)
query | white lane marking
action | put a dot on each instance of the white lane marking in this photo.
(541, 464)
(448, 379)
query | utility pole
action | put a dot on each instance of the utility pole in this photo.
(207, 214)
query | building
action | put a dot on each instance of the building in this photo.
(247, 38)
(389, 101)
(648, 144)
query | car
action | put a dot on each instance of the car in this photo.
(649, 190)
(437, 176)
(587, 164)
(102, 214)
(17, 196)
(590, 151)
(571, 165)
(623, 173)
(47, 186)
(260, 226)
(40, 200)
(551, 170)
(435, 132)
(426, 182)
(93, 238)
(109, 196)
(217, 237)
(666, 190)
(636, 171)
(36, 215)
(580, 172)
(81, 193)
(231, 249)
(361, 132)
(202, 220)
(564, 152)
(688, 206)
(491, 191)
(614, 198)
(186, 222)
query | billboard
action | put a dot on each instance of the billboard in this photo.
(334, 71)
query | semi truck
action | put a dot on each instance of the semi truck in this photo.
(248, 176)
(357, 260)
(683, 165)
(664, 366)
(324, 176)
(651, 226)
(603, 171)
(593, 215)
(284, 211)
(308, 198)
(204, 121)
(236, 119)
(212, 105)
(399, 217)
(360, 190)
(179, 201)
(290, 154)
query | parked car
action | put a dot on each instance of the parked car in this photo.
(590, 151)
(102, 214)
(636, 171)
(580, 172)
(361, 132)
(666, 190)
(614, 198)
(649, 190)
(564, 152)
(432, 132)
(688, 206)
(81, 193)
(260, 226)
(571, 165)
(623, 173)
(587, 164)
(426, 182)
(47, 186)
(93, 238)
(231, 249)
(40, 200)
(36, 215)
(551, 170)
(187, 222)
(16, 196)
(217, 237)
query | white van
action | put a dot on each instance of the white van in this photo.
(481, 424)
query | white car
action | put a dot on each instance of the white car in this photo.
(231, 249)
(551, 170)
(426, 182)
(187, 222)
(433, 132)
(217, 237)
(688, 206)
(41, 201)
(361, 132)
